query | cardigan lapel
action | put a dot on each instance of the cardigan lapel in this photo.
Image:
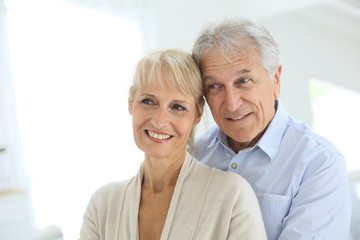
(133, 195)
(132, 203)
(175, 198)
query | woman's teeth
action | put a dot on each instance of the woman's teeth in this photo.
(158, 136)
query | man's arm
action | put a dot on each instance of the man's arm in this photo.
(321, 209)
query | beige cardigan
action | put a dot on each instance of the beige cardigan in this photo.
(206, 204)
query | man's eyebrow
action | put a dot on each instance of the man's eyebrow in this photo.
(236, 74)
(242, 71)
(208, 78)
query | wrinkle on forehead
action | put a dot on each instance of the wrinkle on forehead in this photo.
(216, 62)
(217, 58)
(233, 49)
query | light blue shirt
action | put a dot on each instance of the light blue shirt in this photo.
(299, 178)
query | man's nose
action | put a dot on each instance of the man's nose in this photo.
(233, 99)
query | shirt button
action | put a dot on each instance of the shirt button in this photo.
(234, 165)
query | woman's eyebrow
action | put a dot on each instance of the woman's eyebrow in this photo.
(147, 94)
(181, 102)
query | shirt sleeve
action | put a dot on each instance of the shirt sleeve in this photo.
(321, 209)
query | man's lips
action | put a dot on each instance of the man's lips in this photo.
(238, 118)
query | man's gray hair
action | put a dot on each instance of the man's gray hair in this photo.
(238, 36)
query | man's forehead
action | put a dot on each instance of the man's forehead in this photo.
(217, 61)
(220, 58)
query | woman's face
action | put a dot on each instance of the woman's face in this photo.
(162, 120)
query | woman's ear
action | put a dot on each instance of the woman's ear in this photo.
(130, 100)
(200, 113)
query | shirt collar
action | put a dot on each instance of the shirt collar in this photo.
(222, 139)
(270, 141)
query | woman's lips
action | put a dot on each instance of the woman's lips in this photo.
(159, 136)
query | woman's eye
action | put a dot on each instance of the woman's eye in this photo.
(179, 107)
(147, 101)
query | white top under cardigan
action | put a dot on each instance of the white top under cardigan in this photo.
(206, 204)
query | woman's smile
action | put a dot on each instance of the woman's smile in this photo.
(156, 136)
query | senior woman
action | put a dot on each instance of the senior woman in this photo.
(173, 196)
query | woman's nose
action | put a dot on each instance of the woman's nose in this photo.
(160, 118)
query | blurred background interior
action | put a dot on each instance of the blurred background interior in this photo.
(65, 68)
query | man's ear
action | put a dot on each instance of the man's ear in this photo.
(277, 81)
(130, 100)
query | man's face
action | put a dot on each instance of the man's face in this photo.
(240, 95)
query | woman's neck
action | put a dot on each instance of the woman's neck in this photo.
(161, 172)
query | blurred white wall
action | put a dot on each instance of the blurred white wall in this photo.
(317, 42)
(16, 219)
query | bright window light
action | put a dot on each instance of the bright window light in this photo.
(336, 117)
(71, 71)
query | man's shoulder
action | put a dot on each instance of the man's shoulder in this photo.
(204, 141)
(296, 132)
(302, 130)
(306, 139)
(206, 138)
(209, 135)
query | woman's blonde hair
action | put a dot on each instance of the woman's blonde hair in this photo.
(172, 68)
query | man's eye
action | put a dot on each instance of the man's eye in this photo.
(179, 107)
(244, 80)
(147, 101)
(212, 86)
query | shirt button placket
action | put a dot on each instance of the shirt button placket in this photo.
(236, 162)
(233, 165)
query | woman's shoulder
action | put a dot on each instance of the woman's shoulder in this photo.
(224, 186)
(221, 177)
(230, 179)
(111, 190)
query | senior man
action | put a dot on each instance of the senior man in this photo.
(300, 178)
